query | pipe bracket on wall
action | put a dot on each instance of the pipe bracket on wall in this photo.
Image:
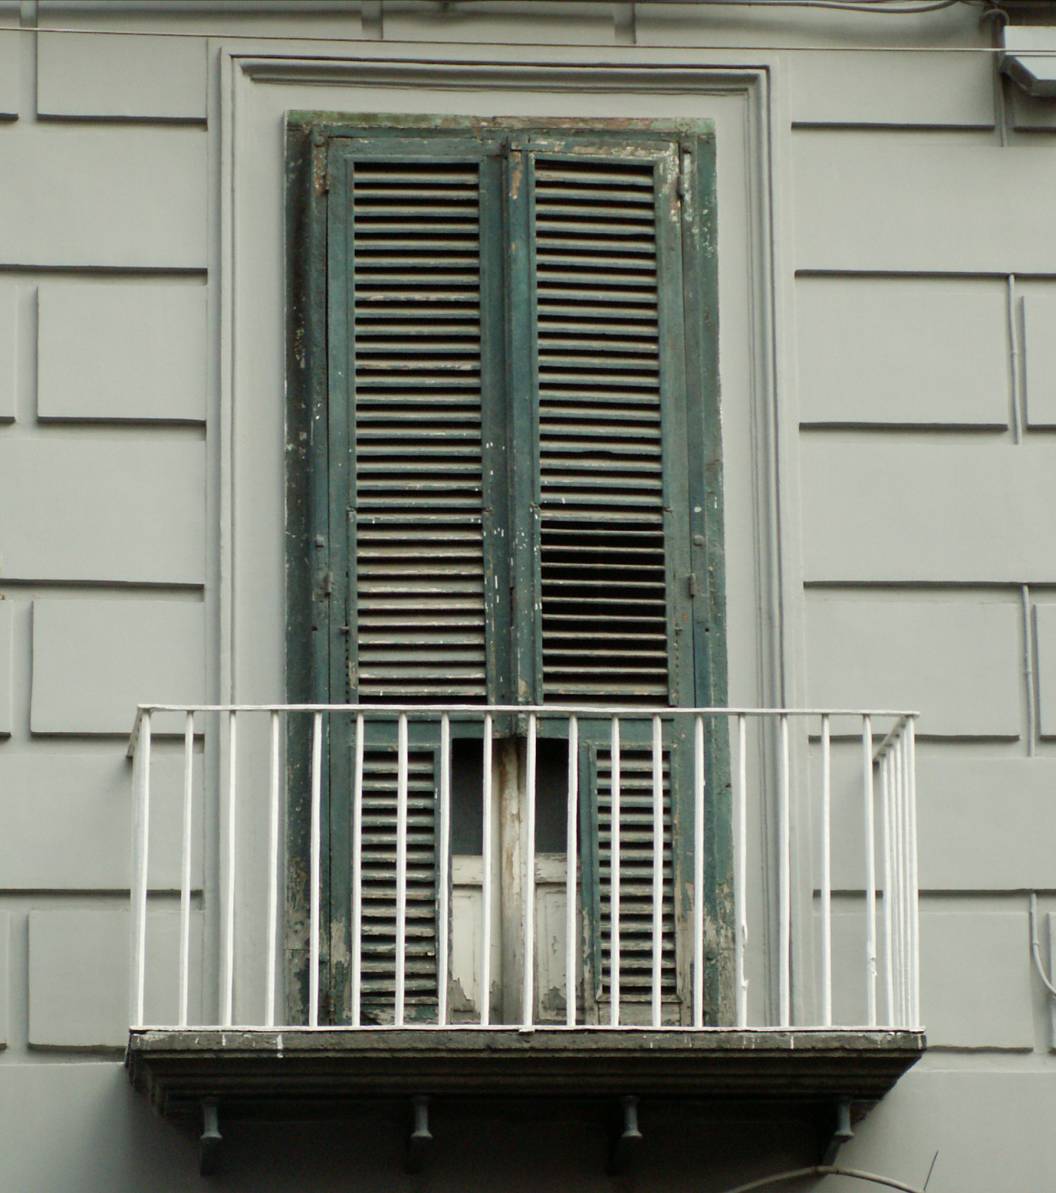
(210, 1139)
(628, 1139)
(420, 1140)
(842, 1132)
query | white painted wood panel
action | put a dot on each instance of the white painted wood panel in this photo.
(879, 201)
(8, 350)
(986, 823)
(92, 195)
(95, 660)
(1039, 354)
(79, 974)
(125, 350)
(882, 350)
(81, 75)
(64, 819)
(10, 74)
(1045, 629)
(115, 508)
(974, 982)
(6, 663)
(955, 660)
(888, 508)
(879, 88)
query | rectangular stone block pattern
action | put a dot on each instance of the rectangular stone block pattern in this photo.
(851, 216)
(121, 351)
(954, 661)
(1039, 356)
(885, 89)
(94, 195)
(117, 77)
(6, 663)
(887, 508)
(116, 509)
(984, 823)
(1045, 630)
(79, 976)
(95, 660)
(904, 351)
(10, 73)
(64, 819)
(8, 350)
(975, 975)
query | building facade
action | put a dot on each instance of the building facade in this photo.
(605, 356)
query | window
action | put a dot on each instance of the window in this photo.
(504, 482)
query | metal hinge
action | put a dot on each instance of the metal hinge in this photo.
(691, 584)
(326, 584)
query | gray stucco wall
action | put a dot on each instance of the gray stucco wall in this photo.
(914, 284)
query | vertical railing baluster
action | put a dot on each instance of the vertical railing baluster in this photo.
(528, 999)
(314, 871)
(444, 902)
(272, 949)
(486, 880)
(227, 980)
(698, 871)
(656, 988)
(183, 1001)
(870, 870)
(356, 959)
(913, 875)
(826, 871)
(614, 877)
(886, 828)
(784, 881)
(571, 868)
(401, 868)
(740, 873)
(140, 871)
(901, 879)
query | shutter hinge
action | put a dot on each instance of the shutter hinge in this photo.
(691, 584)
(326, 584)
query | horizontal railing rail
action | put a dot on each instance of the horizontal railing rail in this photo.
(699, 867)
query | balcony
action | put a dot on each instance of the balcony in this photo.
(477, 902)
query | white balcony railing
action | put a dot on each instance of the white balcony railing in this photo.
(794, 905)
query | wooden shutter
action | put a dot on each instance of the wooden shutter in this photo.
(606, 296)
(636, 876)
(414, 335)
(379, 882)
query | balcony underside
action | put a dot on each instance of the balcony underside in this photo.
(301, 1072)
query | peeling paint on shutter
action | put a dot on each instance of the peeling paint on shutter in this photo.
(636, 875)
(419, 556)
(601, 483)
(379, 880)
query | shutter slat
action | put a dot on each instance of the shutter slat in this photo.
(600, 433)
(636, 874)
(378, 878)
(418, 446)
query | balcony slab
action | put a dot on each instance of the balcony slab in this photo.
(298, 1072)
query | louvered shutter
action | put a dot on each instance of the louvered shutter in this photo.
(407, 332)
(607, 340)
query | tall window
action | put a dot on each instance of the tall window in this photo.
(505, 475)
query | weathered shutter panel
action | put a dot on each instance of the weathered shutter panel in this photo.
(636, 876)
(416, 354)
(379, 881)
(604, 558)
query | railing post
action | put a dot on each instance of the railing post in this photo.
(271, 961)
(444, 904)
(698, 871)
(614, 881)
(401, 868)
(227, 972)
(658, 873)
(528, 1001)
(571, 867)
(784, 882)
(486, 880)
(826, 872)
(185, 870)
(140, 871)
(870, 870)
(357, 873)
(314, 847)
(740, 871)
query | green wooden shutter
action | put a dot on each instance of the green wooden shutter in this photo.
(407, 341)
(604, 302)
(379, 884)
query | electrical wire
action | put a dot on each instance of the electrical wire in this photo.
(1035, 947)
(795, 1174)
